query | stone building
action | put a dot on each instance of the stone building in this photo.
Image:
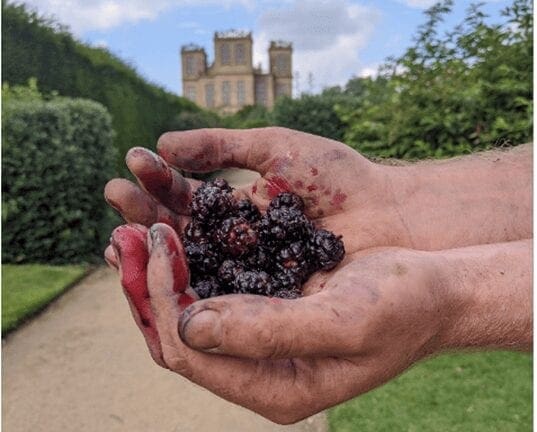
(231, 82)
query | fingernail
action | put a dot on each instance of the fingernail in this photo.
(202, 331)
(154, 238)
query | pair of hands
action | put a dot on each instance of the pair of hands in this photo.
(379, 311)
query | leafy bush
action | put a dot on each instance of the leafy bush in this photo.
(194, 120)
(315, 114)
(33, 46)
(56, 158)
(468, 89)
(250, 116)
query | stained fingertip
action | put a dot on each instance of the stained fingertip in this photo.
(110, 257)
(164, 245)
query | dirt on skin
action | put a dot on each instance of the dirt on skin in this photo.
(82, 365)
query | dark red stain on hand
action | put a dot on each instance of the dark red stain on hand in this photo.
(276, 185)
(129, 242)
(178, 261)
(184, 301)
(254, 189)
(299, 184)
(312, 188)
(314, 171)
(338, 199)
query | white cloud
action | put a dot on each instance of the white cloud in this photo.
(87, 15)
(327, 37)
(369, 71)
(419, 4)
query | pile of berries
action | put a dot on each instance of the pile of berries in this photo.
(233, 248)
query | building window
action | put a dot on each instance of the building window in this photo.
(240, 54)
(190, 65)
(209, 95)
(226, 93)
(241, 93)
(261, 92)
(191, 93)
(225, 53)
(281, 63)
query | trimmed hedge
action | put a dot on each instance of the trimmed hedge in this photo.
(33, 46)
(57, 157)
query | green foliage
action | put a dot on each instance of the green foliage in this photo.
(187, 120)
(26, 289)
(315, 114)
(26, 93)
(450, 94)
(56, 158)
(251, 116)
(33, 46)
(479, 392)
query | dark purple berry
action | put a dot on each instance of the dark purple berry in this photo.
(202, 257)
(209, 287)
(236, 236)
(247, 210)
(327, 248)
(211, 204)
(281, 225)
(195, 233)
(229, 270)
(288, 294)
(221, 184)
(251, 282)
(287, 199)
(286, 279)
(293, 255)
(260, 259)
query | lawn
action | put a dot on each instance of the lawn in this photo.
(457, 392)
(26, 289)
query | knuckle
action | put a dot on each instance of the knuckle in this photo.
(268, 344)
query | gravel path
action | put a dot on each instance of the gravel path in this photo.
(83, 366)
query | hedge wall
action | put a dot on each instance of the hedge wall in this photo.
(56, 159)
(36, 47)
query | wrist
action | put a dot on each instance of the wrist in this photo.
(485, 297)
(478, 199)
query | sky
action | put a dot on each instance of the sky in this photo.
(333, 40)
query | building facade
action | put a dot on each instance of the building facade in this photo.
(231, 82)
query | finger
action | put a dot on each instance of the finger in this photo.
(160, 181)
(110, 257)
(136, 206)
(130, 247)
(205, 150)
(169, 300)
(261, 327)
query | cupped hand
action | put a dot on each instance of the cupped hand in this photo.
(376, 314)
(343, 191)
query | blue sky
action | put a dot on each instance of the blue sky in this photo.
(333, 40)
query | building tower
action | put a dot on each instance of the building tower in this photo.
(280, 55)
(194, 66)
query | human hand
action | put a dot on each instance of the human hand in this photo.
(284, 359)
(376, 315)
(483, 198)
(343, 191)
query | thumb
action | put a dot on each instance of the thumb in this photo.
(261, 327)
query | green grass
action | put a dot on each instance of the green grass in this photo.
(26, 289)
(457, 392)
